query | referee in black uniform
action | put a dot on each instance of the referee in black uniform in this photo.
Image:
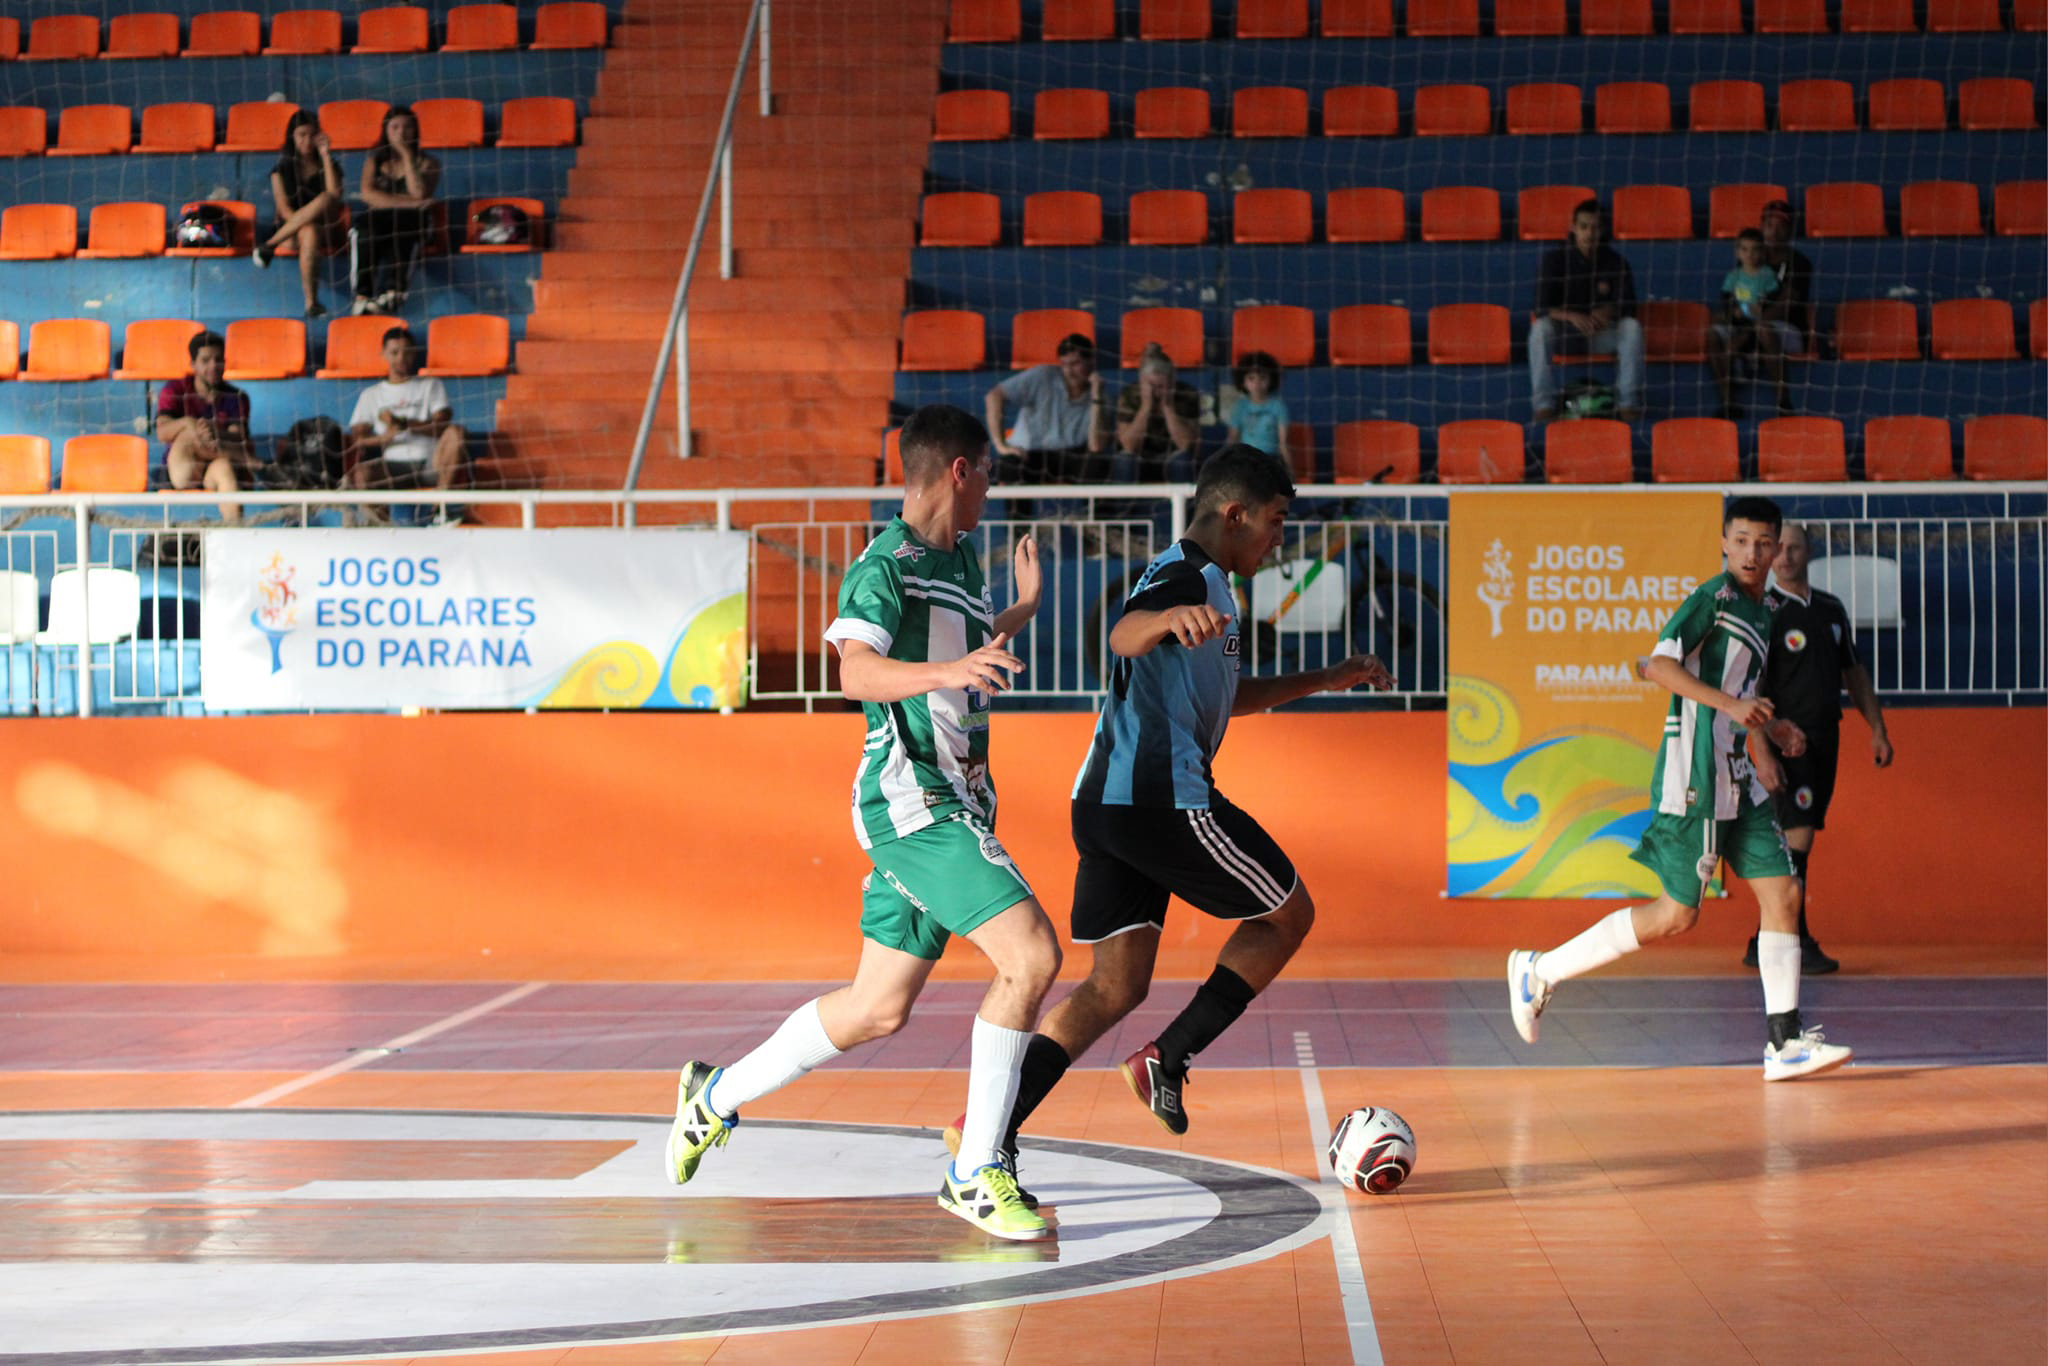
(1813, 657)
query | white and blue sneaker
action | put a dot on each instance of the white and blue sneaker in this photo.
(1528, 993)
(1803, 1056)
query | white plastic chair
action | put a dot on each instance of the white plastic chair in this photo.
(1322, 602)
(1868, 585)
(116, 606)
(19, 607)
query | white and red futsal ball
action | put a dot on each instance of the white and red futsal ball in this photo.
(1373, 1150)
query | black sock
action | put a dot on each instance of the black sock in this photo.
(1785, 1027)
(1799, 858)
(1045, 1062)
(1215, 1007)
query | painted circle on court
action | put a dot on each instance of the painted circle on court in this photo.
(251, 1235)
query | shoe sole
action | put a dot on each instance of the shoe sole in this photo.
(1131, 1080)
(1811, 1071)
(1038, 1235)
(1528, 1035)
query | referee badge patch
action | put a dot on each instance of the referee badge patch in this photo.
(1795, 640)
(1803, 799)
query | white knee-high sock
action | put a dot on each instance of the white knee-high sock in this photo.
(798, 1045)
(1605, 940)
(1777, 962)
(996, 1055)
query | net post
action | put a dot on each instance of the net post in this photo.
(682, 362)
(725, 213)
(767, 95)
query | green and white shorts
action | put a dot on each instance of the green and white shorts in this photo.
(1686, 851)
(949, 878)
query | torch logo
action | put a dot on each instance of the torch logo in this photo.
(277, 605)
(1497, 587)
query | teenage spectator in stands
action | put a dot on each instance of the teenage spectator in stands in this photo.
(1790, 318)
(204, 425)
(1748, 322)
(1586, 300)
(1259, 417)
(399, 180)
(403, 432)
(1158, 425)
(306, 187)
(1061, 432)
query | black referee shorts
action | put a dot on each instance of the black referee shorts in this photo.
(1810, 780)
(1134, 857)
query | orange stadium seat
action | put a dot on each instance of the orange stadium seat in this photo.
(1172, 112)
(1985, 103)
(1963, 16)
(565, 26)
(1726, 107)
(355, 347)
(10, 349)
(961, 219)
(392, 29)
(1379, 452)
(1690, 17)
(1907, 104)
(1069, 114)
(1543, 213)
(450, 122)
(536, 226)
(142, 35)
(1545, 107)
(1615, 18)
(1731, 208)
(1370, 334)
(10, 39)
(1443, 18)
(68, 349)
(304, 33)
(1847, 208)
(1272, 216)
(157, 349)
(984, 21)
(1468, 334)
(1035, 336)
(1972, 329)
(1361, 111)
(265, 348)
(1365, 214)
(1590, 450)
(1632, 107)
(2006, 446)
(24, 132)
(1063, 218)
(1652, 213)
(1940, 208)
(241, 229)
(1283, 331)
(1453, 111)
(115, 463)
(944, 339)
(537, 121)
(1801, 450)
(2019, 208)
(225, 33)
(24, 464)
(1358, 18)
(38, 232)
(1302, 447)
(462, 344)
(1877, 16)
(1269, 111)
(1461, 213)
(63, 37)
(2037, 329)
(1177, 330)
(124, 230)
(1481, 450)
(1272, 18)
(482, 28)
(971, 116)
(2030, 16)
(180, 127)
(1079, 21)
(1791, 16)
(1173, 20)
(1907, 448)
(1877, 329)
(1529, 19)
(1169, 218)
(1823, 106)
(1694, 450)
(892, 456)
(1674, 330)
(257, 126)
(352, 125)
(90, 130)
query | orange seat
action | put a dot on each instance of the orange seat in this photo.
(1272, 18)
(1358, 18)
(1173, 20)
(1461, 213)
(1645, 213)
(961, 219)
(2019, 208)
(124, 230)
(1301, 446)
(1940, 208)
(2006, 446)
(177, 128)
(1674, 330)
(265, 348)
(1063, 218)
(1907, 104)
(1370, 334)
(1694, 450)
(10, 349)
(1283, 331)
(355, 348)
(155, 349)
(1845, 209)
(1877, 16)
(482, 28)
(393, 29)
(1271, 216)
(1269, 111)
(1172, 112)
(1731, 208)
(944, 339)
(1615, 18)
(1177, 330)
(1377, 452)
(536, 226)
(24, 464)
(1361, 111)
(1907, 448)
(1543, 213)
(1529, 19)
(984, 21)
(1365, 214)
(1726, 107)
(537, 121)
(1468, 334)
(115, 463)
(1078, 21)
(971, 116)
(2030, 16)
(1995, 102)
(1963, 16)
(1453, 111)
(1706, 16)
(68, 349)
(1169, 218)
(1588, 450)
(38, 232)
(142, 35)
(450, 122)
(1973, 329)
(565, 26)
(1791, 16)
(1035, 336)
(225, 33)
(352, 125)
(468, 344)
(2037, 329)
(91, 130)
(63, 37)
(10, 39)
(1482, 450)
(1069, 114)
(258, 126)
(892, 456)
(1443, 18)
(304, 33)
(24, 132)
(1545, 107)
(1632, 107)
(1824, 106)
(1877, 329)
(241, 229)
(1801, 450)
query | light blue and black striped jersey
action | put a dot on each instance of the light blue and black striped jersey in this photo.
(1166, 712)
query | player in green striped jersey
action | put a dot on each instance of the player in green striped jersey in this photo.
(1715, 771)
(923, 650)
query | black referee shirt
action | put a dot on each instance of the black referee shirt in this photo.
(1812, 647)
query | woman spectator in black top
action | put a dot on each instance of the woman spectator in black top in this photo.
(306, 187)
(399, 181)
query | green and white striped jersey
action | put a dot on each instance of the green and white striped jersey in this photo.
(926, 757)
(1721, 635)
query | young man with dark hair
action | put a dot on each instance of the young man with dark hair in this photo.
(1147, 818)
(1586, 295)
(1060, 434)
(203, 422)
(402, 433)
(1712, 783)
(923, 650)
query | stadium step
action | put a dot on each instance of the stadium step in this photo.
(711, 295)
(749, 231)
(876, 136)
(737, 390)
(758, 176)
(751, 262)
(764, 350)
(708, 328)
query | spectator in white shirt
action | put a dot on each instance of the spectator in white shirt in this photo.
(402, 432)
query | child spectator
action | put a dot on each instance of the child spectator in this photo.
(1751, 308)
(1259, 417)
(204, 425)
(399, 180)
(305, 185)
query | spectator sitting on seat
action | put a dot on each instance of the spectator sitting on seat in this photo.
(1791, 314)
(1586, 295)
(1259, 417)
(402, 431)
(399, 180)
(1061, 432)
(305, 185)
(204, 425)
(1158, 425)
(1749, 321)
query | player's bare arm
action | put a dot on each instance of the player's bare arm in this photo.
(868, 675)
(1029, 581)
(1136, 633)
(1668, 674)
(1260, 694)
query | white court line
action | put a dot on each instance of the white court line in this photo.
(369, 1055)
(1365, 1337)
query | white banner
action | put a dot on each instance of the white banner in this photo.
(388, 618)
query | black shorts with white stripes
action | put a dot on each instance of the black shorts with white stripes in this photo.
(1134, 857)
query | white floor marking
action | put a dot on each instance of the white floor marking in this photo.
(368, 1055)
(1365, 1337)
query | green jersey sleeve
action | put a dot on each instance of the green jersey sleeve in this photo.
(1689, 625)
(870, 603)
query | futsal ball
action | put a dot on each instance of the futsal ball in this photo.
(1373, 1150)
